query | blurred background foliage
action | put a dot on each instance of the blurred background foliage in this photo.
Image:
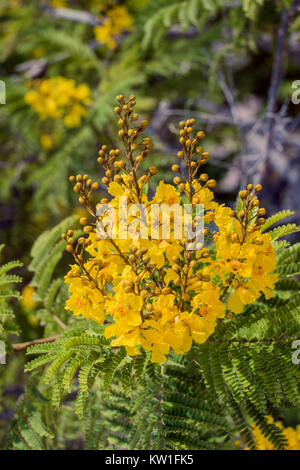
(230, 64)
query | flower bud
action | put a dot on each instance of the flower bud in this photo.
(176, 168)
(88, 229)
(166, 290)
(204, 177)
(262, 211)
(95, 185)
(176, 268)
(243, 194)
(211, 183)
(153, 170)
(200, 135)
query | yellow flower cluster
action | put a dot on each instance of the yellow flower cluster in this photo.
(116, 19)
(292, 436)
(59, 97)
(155, 293)
(27, 297)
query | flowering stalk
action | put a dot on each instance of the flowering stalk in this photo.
(156, 293)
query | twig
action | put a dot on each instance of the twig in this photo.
(59, 322)
(273, 89)
(275, 79)
(21, 346)
(69, 14)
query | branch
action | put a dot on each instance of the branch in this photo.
(58, 321)
(73, 15)
(286, 16)
(275, 80)
(21, 346)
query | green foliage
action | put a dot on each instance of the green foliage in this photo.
(176, 49)
(196, 401)
(7, 292)
(29, 430)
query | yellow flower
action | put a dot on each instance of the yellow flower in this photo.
(208, 304)
(292, 436)
(152, 292)
(58, 97)
(27, 297)
(46, 141)
(117, 19)
(166, 194)
(86, 299)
